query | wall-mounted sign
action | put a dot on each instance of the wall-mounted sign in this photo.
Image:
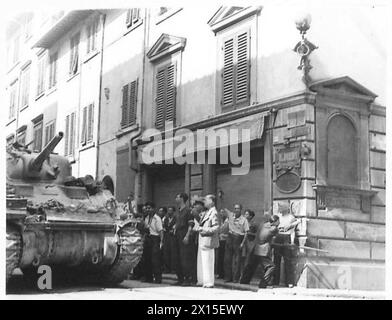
(288, 166)
(288, 182)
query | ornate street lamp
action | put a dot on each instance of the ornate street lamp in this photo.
(304, 47)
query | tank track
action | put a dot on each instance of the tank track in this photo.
(130, 249)
(13, 250)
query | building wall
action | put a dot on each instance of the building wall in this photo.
(70, 94)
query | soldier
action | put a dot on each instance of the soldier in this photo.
(184, 246)
(169, 222)
(261, 254)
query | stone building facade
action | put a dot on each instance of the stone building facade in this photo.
(319, 146)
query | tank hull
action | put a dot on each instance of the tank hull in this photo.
(68, 245)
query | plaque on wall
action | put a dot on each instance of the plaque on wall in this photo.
(288, 165)
(288, 182)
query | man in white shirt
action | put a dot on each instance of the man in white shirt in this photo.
(285, 237)
(153, 245)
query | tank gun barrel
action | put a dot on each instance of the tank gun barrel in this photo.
(36, 164)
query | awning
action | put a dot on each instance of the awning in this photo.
(185, 142)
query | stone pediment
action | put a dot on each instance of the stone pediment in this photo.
(226, 16)
(165, 45)
(343, 86)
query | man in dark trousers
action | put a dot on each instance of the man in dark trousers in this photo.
(169, 222)
(185, 247)
(153, 245)
(238, 227)
(261, 254)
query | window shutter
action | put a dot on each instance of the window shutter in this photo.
(72, 134)
(125, 102)
(90, 122)
(135, 15)
(66, 136)
(129, 17)
(242, 72)
(171, 93)
(228, 73)
(84, 127)
(46, 135)
(132, 102)
(160, 99)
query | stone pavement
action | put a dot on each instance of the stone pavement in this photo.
(296, 291)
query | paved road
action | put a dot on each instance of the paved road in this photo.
(137, 290)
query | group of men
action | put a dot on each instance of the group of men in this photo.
(186, 239)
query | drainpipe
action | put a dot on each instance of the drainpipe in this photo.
(140, 127)
(100, 95)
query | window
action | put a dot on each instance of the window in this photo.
(165, 96)
(70, 135)
(21, 135)
(12, 97)
(10, 140)
(41, 74)
(27, 27)
(25, 87)
(236, 67)
(342, 152)
(92, 33)
(133, 17)
(87, 124)
(16, 49)
(37, 144)
(53, 70)
(49, 132)
(74, 55)
(129, 103)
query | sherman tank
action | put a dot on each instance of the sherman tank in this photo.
(73, 225)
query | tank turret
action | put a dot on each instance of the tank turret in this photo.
(36, 163)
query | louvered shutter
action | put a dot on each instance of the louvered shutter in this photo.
(124, 107)
(132, 102)
(242, 69)
(66, 135)
(90, 122)
(171, 93)
(72, 134)
(47, 133)
(84, 126)
(160, 99)
(129, 17)
(228, 73)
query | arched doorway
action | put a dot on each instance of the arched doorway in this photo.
(342, 152)
(108, 183)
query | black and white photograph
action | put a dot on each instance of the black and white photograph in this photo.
(196, 151)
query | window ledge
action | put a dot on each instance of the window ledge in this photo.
(10, 121)
(133, 27)
(39, 95)
(23, 107)
(71, 159)
(13, 66)
(87, 146)
(51, 90)
(90, 55)
(126, 130)
(70, 77)
(167, 15)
